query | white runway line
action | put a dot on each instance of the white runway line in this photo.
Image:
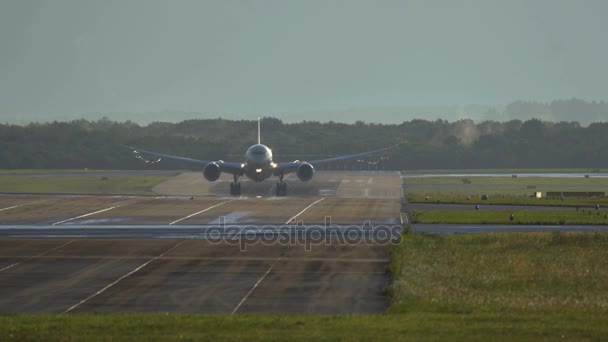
(123, 277)
(199, 212)
(36, 256)
(85, 215)
(301, 212)
(404, 219)
(254, 287)
(22, 205)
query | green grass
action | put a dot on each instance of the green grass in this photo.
(80, 184)
(47, 171)
(537, 170)
(505, 199)
(503, 185)
(559, 279)
(421, 325)
(504, 190)
(483, 216)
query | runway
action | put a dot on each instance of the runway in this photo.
(324, 249)
(321, 250)
(189, 276)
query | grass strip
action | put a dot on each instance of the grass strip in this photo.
(504, 199)
(267, 327)
(482, 216)
(136, 185)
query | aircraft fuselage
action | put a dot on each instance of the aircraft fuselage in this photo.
(258, 163)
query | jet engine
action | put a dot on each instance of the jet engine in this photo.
(212, 171)
(305, 172)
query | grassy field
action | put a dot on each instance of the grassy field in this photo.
(80, 184)
(505, 199)
(418, 325)
(512, 286)
(483, 216)
(510, 171)
(47, 171)
(504, 190)
(559, 279)
(503, 185)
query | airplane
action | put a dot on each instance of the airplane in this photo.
(259, 165)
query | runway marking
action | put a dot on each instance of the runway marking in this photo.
(404, 219)
(254, 287)
(21, 205)
(85, 215)
(36, 256)
(301, 212)
(121, 278)
(370, 180)
(199, 212)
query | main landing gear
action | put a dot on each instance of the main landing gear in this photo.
(281, 187)
(235, 187)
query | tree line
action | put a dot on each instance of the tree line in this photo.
(426, 144)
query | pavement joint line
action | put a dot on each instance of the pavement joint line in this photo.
(85, 215)
(199, 212)
(22, 205)
(122, 277)
(301, 212)
(186, 258)
(36, 256)
(254, 287)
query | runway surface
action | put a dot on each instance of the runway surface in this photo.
(190, 276)
(76, 253)
(324, 249)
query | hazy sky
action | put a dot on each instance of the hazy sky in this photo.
(65, 57)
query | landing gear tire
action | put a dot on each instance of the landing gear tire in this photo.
(281, 189)
(235, 189)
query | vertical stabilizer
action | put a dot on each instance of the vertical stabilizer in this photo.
(259, 136)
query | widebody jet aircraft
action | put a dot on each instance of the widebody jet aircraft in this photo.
(258, 166)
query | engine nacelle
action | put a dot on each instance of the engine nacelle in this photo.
(212, 171)
(305, 172)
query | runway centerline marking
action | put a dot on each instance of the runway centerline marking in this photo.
(301, 212)
(199, 212)
(36, 256)
(85, 215)
(123, 277)
(22, 205)
(254, 287)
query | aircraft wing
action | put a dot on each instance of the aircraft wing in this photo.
(349, 156)
(293, 166)
(232, 168)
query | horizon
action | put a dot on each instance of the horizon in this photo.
(70, 58)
